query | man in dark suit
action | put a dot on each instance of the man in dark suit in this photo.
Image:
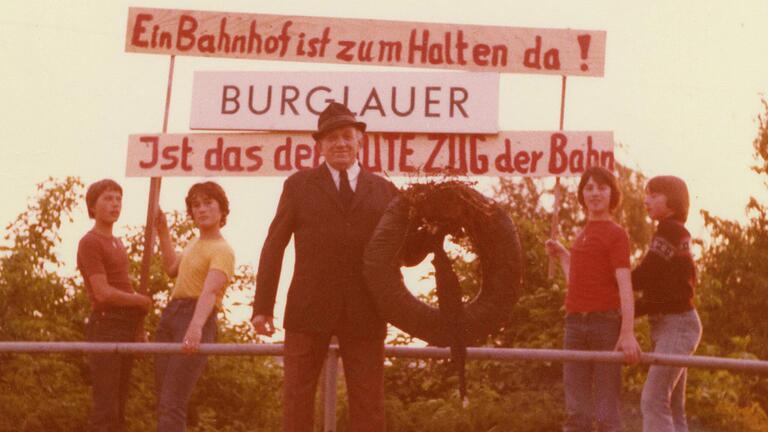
(331, 211)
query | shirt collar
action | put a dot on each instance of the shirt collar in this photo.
(352, 172)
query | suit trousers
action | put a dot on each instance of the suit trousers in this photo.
(363, 361)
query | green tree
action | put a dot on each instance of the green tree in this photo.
(733, 296)
(37, 304)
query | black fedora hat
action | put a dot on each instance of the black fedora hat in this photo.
(334, 116)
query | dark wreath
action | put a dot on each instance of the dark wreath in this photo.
(415, 224)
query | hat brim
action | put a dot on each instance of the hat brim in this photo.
(339, 124)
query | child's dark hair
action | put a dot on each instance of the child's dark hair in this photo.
(676, 191)
(604, 177)
(211, 190)
(96, 189)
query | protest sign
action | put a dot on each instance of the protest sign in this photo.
(370, 42)
(507, 154)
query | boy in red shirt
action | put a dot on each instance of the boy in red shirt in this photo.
(117, 310)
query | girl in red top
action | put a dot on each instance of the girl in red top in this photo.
(599, 306)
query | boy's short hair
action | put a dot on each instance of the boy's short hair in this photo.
(211, 190)
(96, 189)
(676, 191)
(601, 176)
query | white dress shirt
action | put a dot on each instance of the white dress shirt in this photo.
(352, 172)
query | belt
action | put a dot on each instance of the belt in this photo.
(119, 312)
(608, 313)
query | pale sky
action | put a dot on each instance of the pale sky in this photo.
(681, 93)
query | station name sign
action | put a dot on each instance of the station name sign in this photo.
(451, 102)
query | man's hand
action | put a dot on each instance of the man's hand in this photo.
(629, 346)
(264, 325)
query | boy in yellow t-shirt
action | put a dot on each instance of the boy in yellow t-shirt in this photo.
(203, 271)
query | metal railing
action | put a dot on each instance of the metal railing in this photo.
(331, 369)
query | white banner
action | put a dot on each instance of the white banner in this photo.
(450, 102)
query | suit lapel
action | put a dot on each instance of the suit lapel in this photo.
(325, 182)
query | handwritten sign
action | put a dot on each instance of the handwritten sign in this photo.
(386, 101)
(505, 154)
(370, 42)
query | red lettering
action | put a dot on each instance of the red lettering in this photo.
(303, 152)
(252, 154)
(224, 38)
(232, 159)
(346, 47)
(283, 156)
(521, 162)
(460, 47)
(364, 51)
(213, 156)
(169, 154)
(504, 160)
(405, 152)
(154, 142)
(391, 140)
(207, 44)
(187, 27)
(186, 150)
(478, 163)
(536, 156)
(558, 159)
(413, 47)
(430, 167)
(139, 29)
(372, 140)
(480, 53)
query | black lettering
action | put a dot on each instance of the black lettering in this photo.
(226, 98)
(457, 103)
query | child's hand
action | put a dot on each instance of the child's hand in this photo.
(555, 248)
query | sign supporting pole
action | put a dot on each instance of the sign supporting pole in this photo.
(154, 197)
(554, 229)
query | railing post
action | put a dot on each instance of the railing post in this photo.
(329, 387)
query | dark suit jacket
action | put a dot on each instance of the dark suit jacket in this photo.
(327, 293)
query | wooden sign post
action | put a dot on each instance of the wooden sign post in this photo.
(154, 196)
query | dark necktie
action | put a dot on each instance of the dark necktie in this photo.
(345, 190)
